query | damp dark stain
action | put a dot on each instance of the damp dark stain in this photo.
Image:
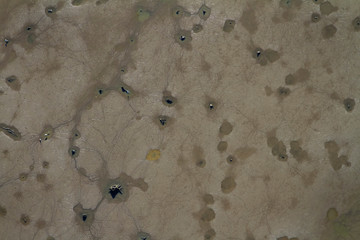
(23, 176)
(268, 91)
(297, 152)
(248, 20)
(315, 17)
(197, 28)
(263, 57)
(243, 153)
(290, 79)
(210, 234)
(198, 156)
(208, 199)
(207, 214)
(272, 55)
(229, 25)
(328, 31)
(326, 8)
(3, 211)
(278, 148)
(283, 92)
(301, 75)
(335, 160)
(25, 219)
(41, 177)
(356, 24)
(228, 185)
(225, 128)
(200, 163)
(349, 104)
(13, 82)
(222, 146)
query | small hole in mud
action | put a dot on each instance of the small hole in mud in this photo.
(115, 190)
(349, 104)
(84, 217)
(258, 53)
(124, 90)
(162, 122)
(315, 17)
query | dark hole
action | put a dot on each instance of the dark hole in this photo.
(100, 91)
(169, 101)
(177, 12)
(76, 135)
(84, 217)
(211, 106)
(11, 79)
(28, 28)
(258, 53)
(124, 90)
(114, 190)
(204, 12)
(162, 121)
(50, 10)
(200, 163)
(6, 42)
(10, 131)
(182, 38)
(348, 106)
(73, 152)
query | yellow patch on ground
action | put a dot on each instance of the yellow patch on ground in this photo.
(153, 155)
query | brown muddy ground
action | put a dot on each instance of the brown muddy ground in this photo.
(177, 120)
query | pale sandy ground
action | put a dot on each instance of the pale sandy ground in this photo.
(128, 120)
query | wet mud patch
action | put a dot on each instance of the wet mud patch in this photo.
(278, 148)
(335, 160)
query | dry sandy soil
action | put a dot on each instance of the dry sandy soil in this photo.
(177, 120)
